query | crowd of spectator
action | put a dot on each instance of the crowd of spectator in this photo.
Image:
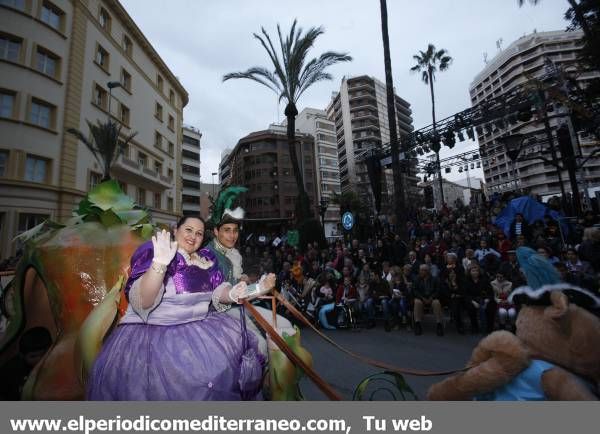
(456, 264)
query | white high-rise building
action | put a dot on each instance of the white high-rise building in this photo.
(522, 60)
(63, 63)
(314, 122)
(190, 171)
(359, 111)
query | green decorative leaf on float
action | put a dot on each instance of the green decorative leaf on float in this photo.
(108, 194)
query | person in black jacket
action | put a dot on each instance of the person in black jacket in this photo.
(426, 292)
(479, 299)
(453, 282)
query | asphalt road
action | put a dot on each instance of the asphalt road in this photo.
(398, 347)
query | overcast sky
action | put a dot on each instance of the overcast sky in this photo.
(201, 40)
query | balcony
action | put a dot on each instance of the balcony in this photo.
(132, 172)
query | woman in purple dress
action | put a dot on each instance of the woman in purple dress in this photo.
(175, 342)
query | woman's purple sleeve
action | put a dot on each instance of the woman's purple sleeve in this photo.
(216, 275)
(140, 262)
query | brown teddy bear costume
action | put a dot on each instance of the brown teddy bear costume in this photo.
(555, 354)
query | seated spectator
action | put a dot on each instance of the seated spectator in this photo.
(582, 270)
(483, 251)
(589, 249)
(547, 253)
(434, 270)
(480, 299)
(426, 292)
(469, 256)
(455, 292)
(507, 314)
(347, 295)
(512, 270)
(401, 295)
(386, 272)
(414, 264)
(379, 294)
(325, 303)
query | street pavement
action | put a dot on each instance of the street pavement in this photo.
(398, 347)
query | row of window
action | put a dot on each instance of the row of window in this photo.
(37, 169)
(12, 48)
(48, 12)
(105, 21)
(40, 113)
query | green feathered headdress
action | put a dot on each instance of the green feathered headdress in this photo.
(222, 211)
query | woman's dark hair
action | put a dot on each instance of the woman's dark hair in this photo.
(183, 219)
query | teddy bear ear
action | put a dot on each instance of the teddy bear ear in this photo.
(559, 307)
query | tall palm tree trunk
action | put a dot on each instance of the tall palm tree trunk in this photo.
(437, 154)
(399, 205)
(302, 206)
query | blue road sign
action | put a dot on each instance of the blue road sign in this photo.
(348, 220)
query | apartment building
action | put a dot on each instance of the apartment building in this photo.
(526, 58)
(190, 171)
(66, 62)
(261, 162)
(314, 122)
(359, 111)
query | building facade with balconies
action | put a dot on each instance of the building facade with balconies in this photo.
(261, 162)
(191, 196)
(360, 115)
(315, 122)
(56, 60)
(524, 59)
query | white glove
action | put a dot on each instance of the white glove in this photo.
(264, 285)
(164, 248)
(238, 291)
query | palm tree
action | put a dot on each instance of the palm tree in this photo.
(577, 9)
(291, 77)
(428, 63)
(104, 143)
(399, 203)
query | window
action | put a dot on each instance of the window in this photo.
(157, 200)
(51, 15)
(158, 167)
(140, 196)
(10, 48)
(102, 57)
(41, 114)
(170, 204)
(35, 169)
(171, 148)
(170, 173)
(95, 179)
(158, 112)
(46, 62)
(157, 140)
(126, 79)
(159, 82)
(124, 114)
(7, 104)
(29, 221)
(171, 96)
(100, 97)
(17, 4)
(171, 123)
(127, 45)
(104, 19)
(142, 159)
(3, 162)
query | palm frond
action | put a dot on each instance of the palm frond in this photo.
(260, 75)
(314, 70)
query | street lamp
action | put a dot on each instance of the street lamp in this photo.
(513, 144)
(111, 85)
(322, 210)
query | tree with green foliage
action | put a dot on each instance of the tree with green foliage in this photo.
(105, 143)
(291, 76)
(428, 63)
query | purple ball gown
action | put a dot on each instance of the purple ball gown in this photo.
(183, 349)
